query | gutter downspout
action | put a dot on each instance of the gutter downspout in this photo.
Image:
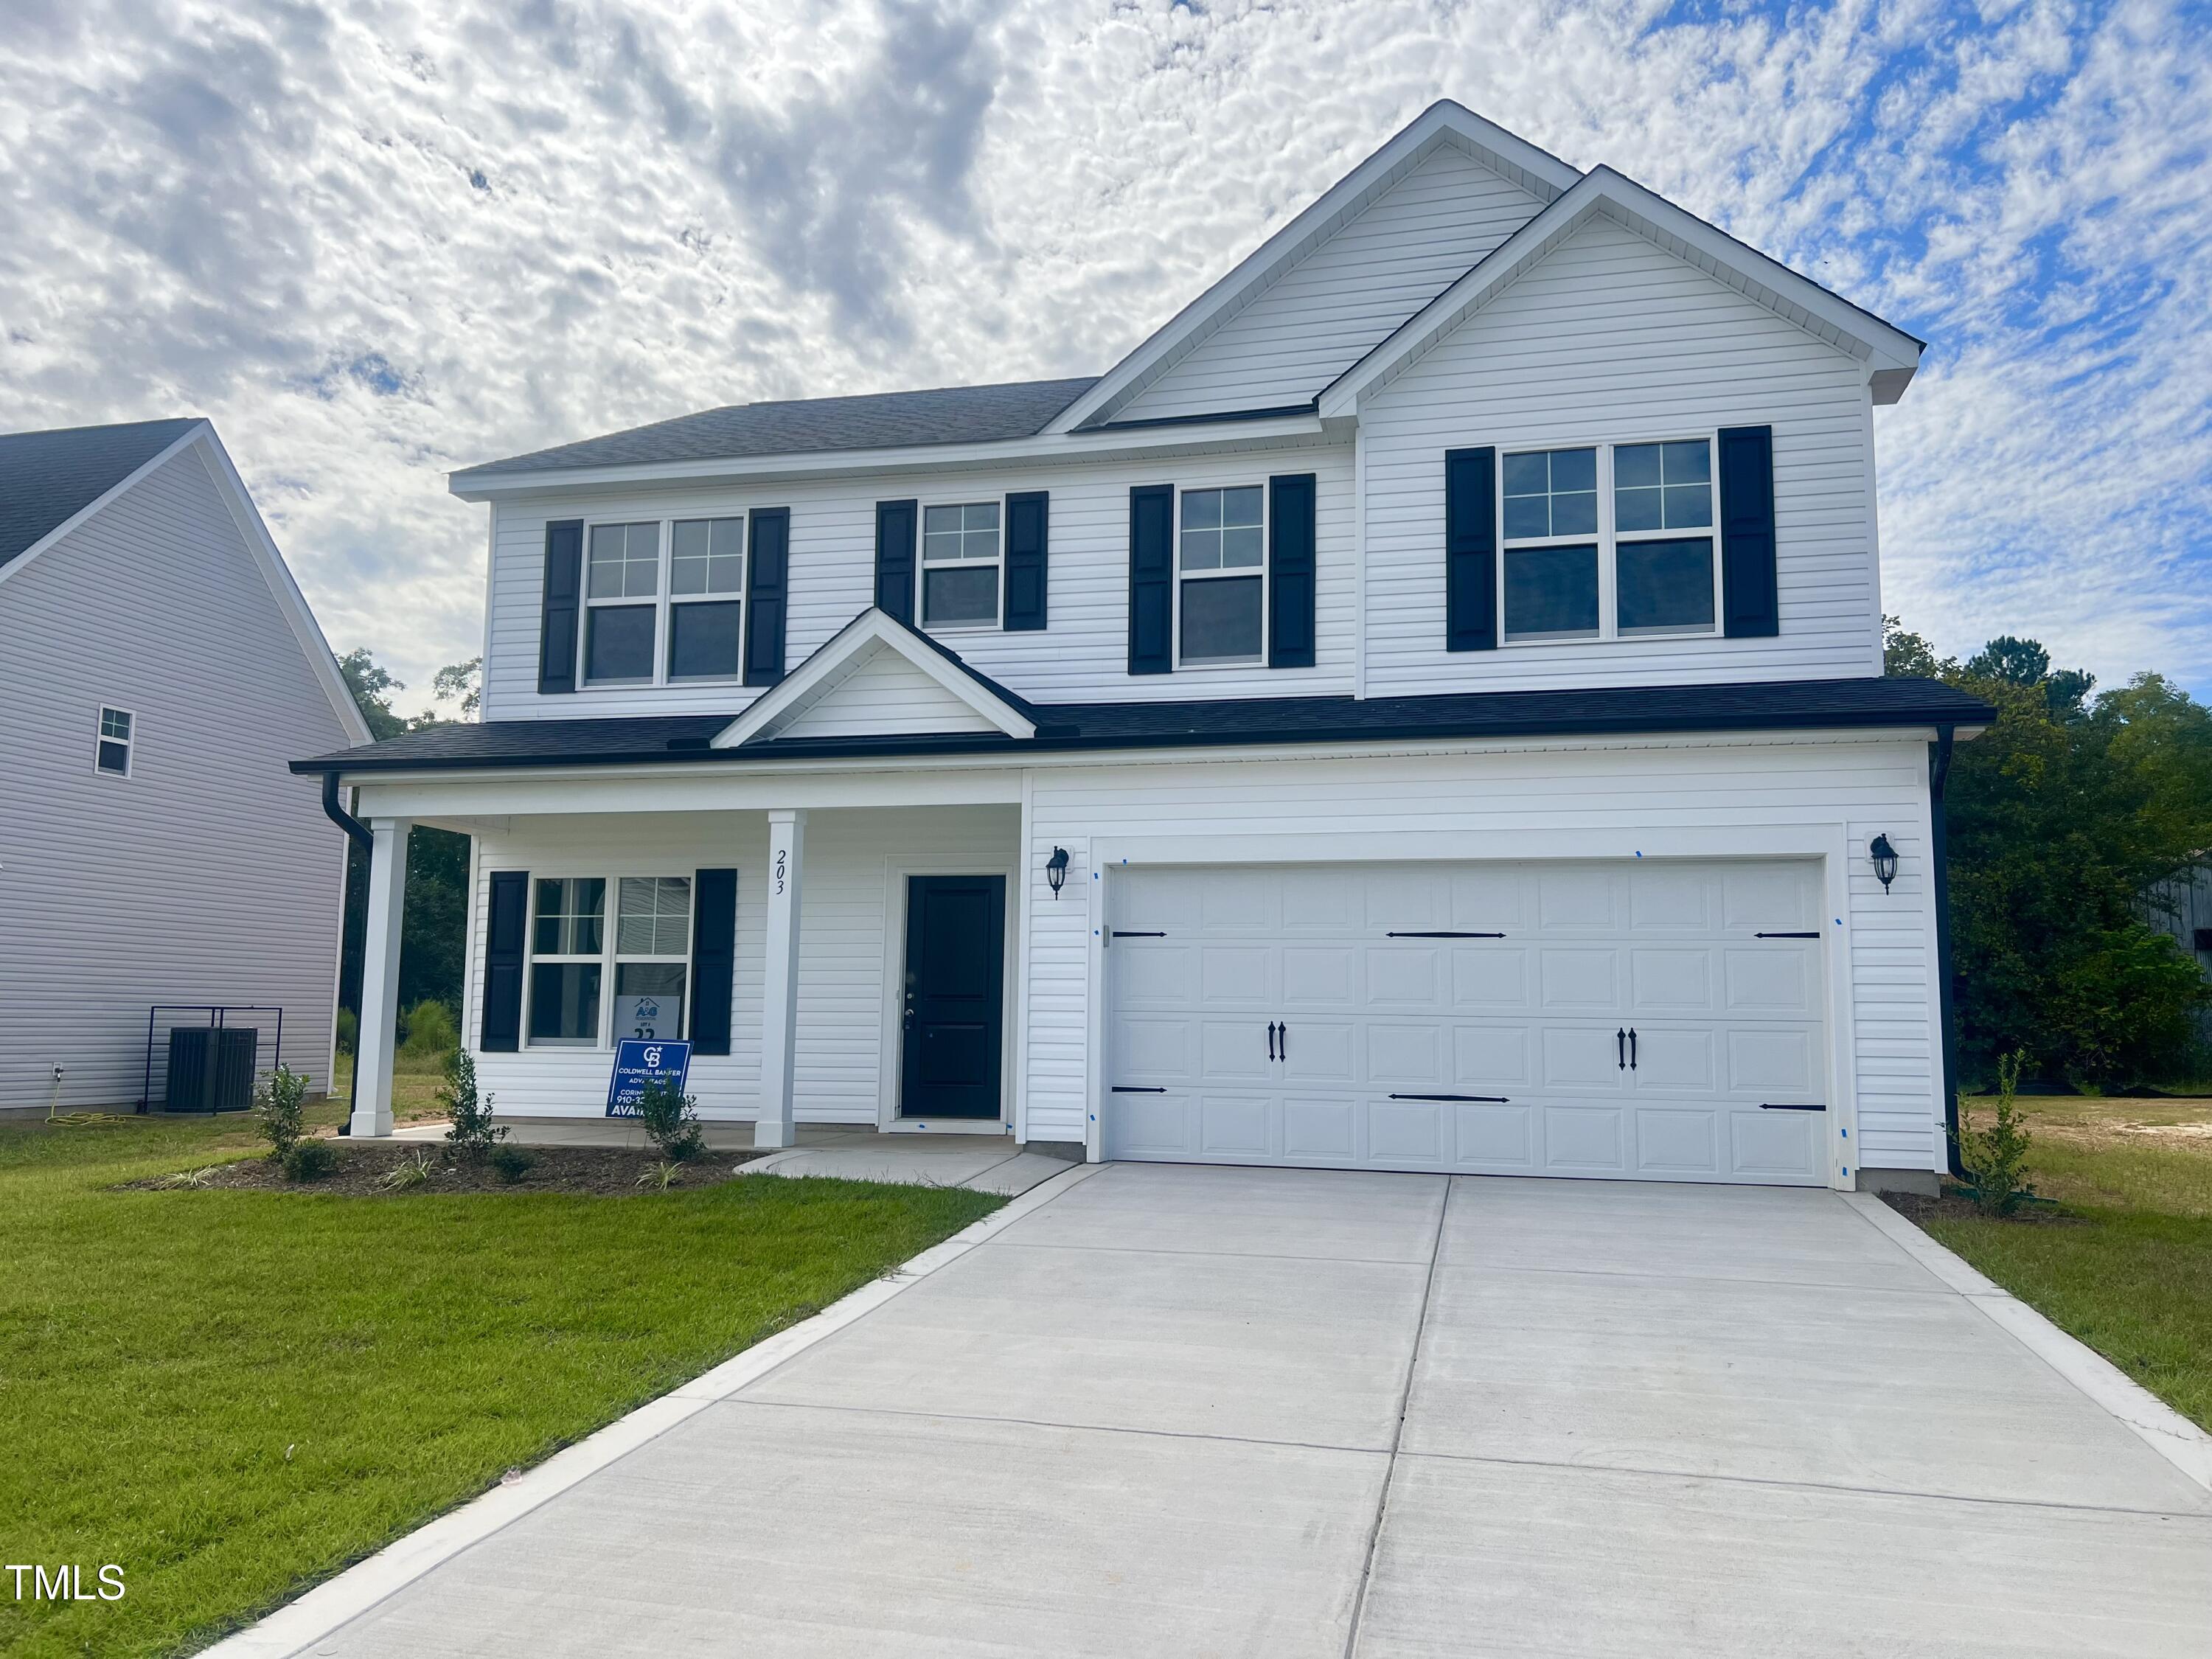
(356, 832)
(1939, 772)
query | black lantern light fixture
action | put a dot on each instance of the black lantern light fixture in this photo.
(1885, 861)
(1056, 870)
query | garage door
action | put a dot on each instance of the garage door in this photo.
(1659, 1021)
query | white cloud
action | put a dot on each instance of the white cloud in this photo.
(380, 240)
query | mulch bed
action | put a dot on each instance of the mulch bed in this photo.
(605, 1171)
(1956, 1206)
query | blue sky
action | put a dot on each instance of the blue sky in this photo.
(380, 241)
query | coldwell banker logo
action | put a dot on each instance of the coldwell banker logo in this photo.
(66, 1583)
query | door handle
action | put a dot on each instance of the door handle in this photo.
(1271, 1039)
(1631, 1048)
(1285, 1040)
(1620, 1049)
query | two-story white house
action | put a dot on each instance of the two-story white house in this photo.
(1422, 710)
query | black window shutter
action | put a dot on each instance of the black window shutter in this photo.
(767, 582)
(508, 922)
(558, 608)
(1028, 534)
(1151, 579)
(1291, 571)
(895, 559)
(1471, 549)
(1751, 606)
(714, 958)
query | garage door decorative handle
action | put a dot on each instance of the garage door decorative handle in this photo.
(1446, 935)
(1122, 932)
(1620, 1049)
(1137, 1089)
(1631, 1048)
(1776, 1106)
(1494, 1100)
(1785, 936)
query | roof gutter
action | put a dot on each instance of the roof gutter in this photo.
(357, 833)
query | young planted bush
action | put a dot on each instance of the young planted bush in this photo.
(671, 1120)
(280, 1111)
(1996, 1159)
(471, 1133)
(310, 1160)
(510, 1163)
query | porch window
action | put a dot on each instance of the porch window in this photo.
(653, 955)
(567, 947)
(1221, 576)
(960, 566)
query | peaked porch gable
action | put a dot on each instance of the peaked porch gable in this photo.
(877, 676)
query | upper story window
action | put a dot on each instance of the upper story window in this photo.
(112, 752)
(1221, 576)
(650, 622)
(961, 565)
(1593, 545)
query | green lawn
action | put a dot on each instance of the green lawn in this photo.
(234, 1394)
(2132, 1273)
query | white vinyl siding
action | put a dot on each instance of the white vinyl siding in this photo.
(1082, 656)
(843, 914)
(1327, 311)
(1583, 799)
(1612, 340)
(885, 694)
(210, 875)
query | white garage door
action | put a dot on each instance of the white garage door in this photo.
(1661, 1021)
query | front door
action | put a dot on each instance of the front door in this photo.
(954, 1009)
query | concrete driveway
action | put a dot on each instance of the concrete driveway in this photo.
(1195, 1411)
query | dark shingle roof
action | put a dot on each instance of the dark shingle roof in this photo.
(1799, 705)
(954, 415)
(48, 477)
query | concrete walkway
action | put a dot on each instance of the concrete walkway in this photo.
(1190, 1411)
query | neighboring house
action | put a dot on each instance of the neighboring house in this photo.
(1422, 710)
(158, 668)
(2182, 905)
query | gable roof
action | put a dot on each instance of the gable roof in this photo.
(950, 414)
(1544, 175)
(1594, 711)
(47, 478)
(986, 705)
(1890, 355)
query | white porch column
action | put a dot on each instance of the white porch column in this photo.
(786, 846)
(379, 978)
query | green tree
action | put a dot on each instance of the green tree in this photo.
(2061, 817)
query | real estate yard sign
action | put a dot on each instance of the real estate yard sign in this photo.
(635, 1063)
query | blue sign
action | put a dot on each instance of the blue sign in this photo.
(637, 1061)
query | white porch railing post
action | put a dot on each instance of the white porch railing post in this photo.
(786, 847)
(380, 977)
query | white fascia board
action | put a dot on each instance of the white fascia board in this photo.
(1046, 449)
(1543, 174)
(290, 599)
(1890, 355)
(821, 673)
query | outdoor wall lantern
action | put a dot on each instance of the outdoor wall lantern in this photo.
(1885, 861)
(1056, 870)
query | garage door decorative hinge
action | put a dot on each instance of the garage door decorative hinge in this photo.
(1494, 1100)
(1811, 935)
(1122, 932)
(1137, 1089)
(1777, 1106)
(1443, 935)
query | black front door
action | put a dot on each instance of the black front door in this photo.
(955, 1000)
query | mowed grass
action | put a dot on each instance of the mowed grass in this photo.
(233, 1394)
(2130, 1272)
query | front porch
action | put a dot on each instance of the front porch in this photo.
(847, 973)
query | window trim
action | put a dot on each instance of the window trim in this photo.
(1178, 575)
(1608, 539)
(100, 738)
(665, 599)
(608, 957)
(997, 623)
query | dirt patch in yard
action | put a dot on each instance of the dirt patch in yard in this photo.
(1957, 1206)
(368, 1172)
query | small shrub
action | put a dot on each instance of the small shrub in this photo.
(200, 1177)
(280, 1111)
(661, 1177)
(510, 1163)
(409, 1172)
(310, 1160)
(471, 1133)
(348, 1031)
(671, 1120)
(1996, 1159)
